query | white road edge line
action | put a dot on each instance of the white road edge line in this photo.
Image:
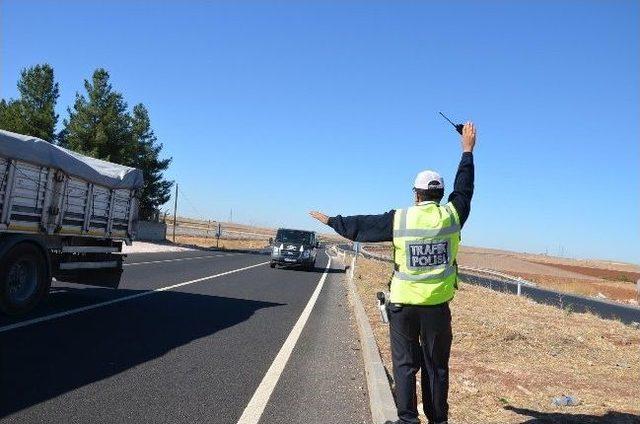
(120, 299)
(171, 260)
(258, 402)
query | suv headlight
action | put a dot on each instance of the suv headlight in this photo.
(305, 254)
(275, 250)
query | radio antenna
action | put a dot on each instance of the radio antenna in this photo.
(458, 127)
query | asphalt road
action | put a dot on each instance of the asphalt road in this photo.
(188, 337)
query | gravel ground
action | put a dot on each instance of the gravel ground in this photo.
(149, 247)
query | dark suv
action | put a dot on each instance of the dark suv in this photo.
(294, 247)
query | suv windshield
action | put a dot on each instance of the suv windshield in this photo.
(293, 236)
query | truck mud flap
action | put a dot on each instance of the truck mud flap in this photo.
(109, 278)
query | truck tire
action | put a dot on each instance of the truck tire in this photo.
(24, 279)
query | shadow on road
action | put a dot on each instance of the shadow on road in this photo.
(538, 417)
(328, 271)
(314, 269)
(45, 360)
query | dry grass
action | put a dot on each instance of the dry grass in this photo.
(509, 352)
(209, 242)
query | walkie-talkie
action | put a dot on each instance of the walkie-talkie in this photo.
(458, 127)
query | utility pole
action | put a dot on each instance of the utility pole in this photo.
(175, 213)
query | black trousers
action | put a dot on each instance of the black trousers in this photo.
(421, 339)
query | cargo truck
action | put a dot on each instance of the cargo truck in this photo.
(62, 215)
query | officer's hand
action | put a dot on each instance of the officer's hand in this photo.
(320, 217)
(468, 137)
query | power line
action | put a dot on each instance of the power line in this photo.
(196, 210)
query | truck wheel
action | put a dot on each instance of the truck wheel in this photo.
(24, 279)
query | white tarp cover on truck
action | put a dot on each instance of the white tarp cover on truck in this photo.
(37, 151)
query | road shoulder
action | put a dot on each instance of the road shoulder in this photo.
(324, 380)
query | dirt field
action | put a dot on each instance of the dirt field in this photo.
(223, 243)
(603, 273)
(613, 290)
(198, 228)
(512, 356)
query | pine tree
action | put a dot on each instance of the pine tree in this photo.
(156, 191)
(99, 125)
(34, 112)
(11, 118)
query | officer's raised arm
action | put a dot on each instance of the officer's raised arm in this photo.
(464, 182)
(370, 228)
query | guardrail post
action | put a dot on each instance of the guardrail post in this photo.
(353, 266)
(175, 213)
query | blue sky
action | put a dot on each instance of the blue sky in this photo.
(275, 108)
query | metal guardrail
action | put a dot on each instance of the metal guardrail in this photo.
(506, 283)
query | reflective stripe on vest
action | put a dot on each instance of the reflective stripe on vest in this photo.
(402, 231)
(446, 271)
(425, 240)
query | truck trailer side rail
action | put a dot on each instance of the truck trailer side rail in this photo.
(39, 199)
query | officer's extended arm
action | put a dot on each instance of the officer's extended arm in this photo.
(369, 228)
(463, 185)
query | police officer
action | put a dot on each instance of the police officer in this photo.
(425, 244)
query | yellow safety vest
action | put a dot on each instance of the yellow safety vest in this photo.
(425, 243)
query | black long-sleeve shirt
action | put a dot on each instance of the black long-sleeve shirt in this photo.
(374, 228)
